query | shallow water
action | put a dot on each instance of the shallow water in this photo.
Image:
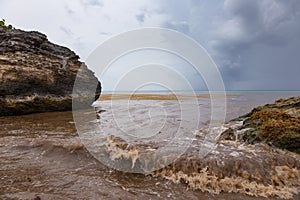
(42, 155)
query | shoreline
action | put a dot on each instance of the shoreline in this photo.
(233, 170)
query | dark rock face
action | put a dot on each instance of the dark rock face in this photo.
(37, 75)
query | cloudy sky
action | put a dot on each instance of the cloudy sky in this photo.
(255, 43)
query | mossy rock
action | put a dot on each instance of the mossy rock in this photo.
(277, 124)
(34, 105)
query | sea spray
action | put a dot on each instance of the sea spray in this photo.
(286, 182)
(234, 167)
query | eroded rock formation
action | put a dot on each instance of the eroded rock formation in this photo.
(37, 75)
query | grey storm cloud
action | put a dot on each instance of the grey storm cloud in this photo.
(260, 21)
(140, 17)
(254, 34)
(255, 43)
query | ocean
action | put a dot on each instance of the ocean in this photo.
(106, 152)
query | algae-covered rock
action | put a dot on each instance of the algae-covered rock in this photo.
(277, 124)
(37, 75)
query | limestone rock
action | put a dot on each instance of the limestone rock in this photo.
(37, 75)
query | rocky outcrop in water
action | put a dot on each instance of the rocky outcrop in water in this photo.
(276, 124)
(37, 75)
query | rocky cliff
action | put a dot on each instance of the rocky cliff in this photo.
(37, 75)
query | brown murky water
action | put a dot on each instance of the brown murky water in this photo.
(42, 156)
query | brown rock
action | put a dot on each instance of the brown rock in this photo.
(38, 76)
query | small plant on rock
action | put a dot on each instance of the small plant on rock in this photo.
(3, 25)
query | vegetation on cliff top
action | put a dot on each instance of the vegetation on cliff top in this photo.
(3, 25)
